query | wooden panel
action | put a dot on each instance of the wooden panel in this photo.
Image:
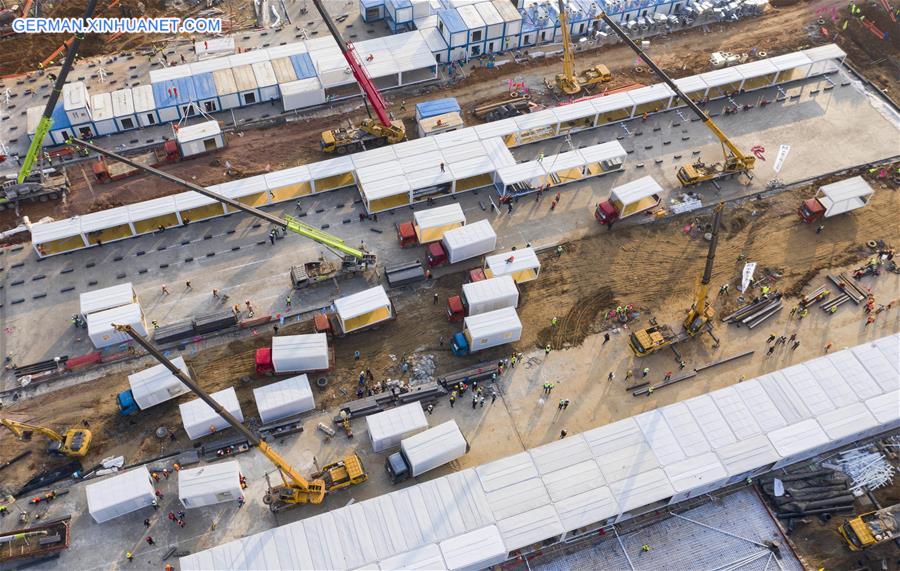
(473, 182)
(110, 234)
(367, 319)
(153, 224)
(389, 202)
(291, 191)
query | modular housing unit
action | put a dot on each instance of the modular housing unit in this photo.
(431, 224)
(635, 196)
(151, 215)
(371, 10)
(206, 93)
(157, 384)
(210, 484)
(119, 495)
(289, 397)
(103, 115)
(522, 265)
(300, 353)
(199, 419)
(289, 183)
(245, 78)
(266, 80)
(100, 325)
(844, 196)
(77, 104)
(123, 110)
(201, 138)
(388, 428)
(173, 92)
(107, 298)
(490, 295)
(364, 309)
(398, 14)
(145, 106)
(302, 93)
(492, 328)
(469, 241)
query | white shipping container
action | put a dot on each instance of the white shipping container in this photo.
(107, 298)
(284, 398)
(201, 420)
(157, 384)
(100, 325)
(210, 484)
(490, 295)
(469, 241)
(492, 329)
(435, 447)
(431, 224)
(120, 495)
(388, 428)
(200, 138)
(298, 353)
(302, 93)
(844, 196)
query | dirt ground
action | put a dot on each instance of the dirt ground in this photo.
(592, 277)
(684, 53)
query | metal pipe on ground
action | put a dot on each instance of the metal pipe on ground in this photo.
(760, 311)
(742, 312)
(809, 299)
(793, 515)
(762, 318)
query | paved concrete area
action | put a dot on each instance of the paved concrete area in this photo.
(847, 126)
(738, 527)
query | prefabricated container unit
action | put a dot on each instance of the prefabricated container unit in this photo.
(214, 48)
(205, 90)
(106, 226)
(299, 353)
(489, 295)
(477, 30)
(844, 196)
(173, 91)
(757, 74)
(824, 59)
(363, 309)
(244, 78)
(33, 117)
(210, 484)
(430, 225)
(398, 14)
(265, 80)
(199, 419)
(123, 110)
(522, 265)
(454, 32)
(102, 111)
(494, 27)
(200, 138)
(371, 10)
(440, 124)
(512, 24)
(50, 238)
(226, 88)
(77, 103)
(145, 105)
(434, 447)
(436, 107)
(107, 298)
(469, 241)
(493, 328)
(388, 428)
(302, 93)
(100, 325)
(722, 82)
(479, 549)
(436, 43)
(285, 398)
(635, 196)
(157, 384)
(119, 495)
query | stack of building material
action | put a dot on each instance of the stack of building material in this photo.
(803, 492)
(756, 312)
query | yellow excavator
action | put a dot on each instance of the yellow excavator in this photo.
(294, 488)
(567, 81)
(651, 339)
(734, 163)
(75, 442)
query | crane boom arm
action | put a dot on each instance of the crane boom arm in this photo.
(269, 453)
(288, 223)
(359, 72)
(45, 124)
(707, 120)
(19, 428)
(568, 58)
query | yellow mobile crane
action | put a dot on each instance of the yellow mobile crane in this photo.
(566, 81)
(294, 489)
(735, 161)
(656, 337)
(353, 259)
(74, 442)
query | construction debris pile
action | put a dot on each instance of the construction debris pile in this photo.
(802, 492)
(868, 469)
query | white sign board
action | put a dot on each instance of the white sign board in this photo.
(749, 268)
(783, 151)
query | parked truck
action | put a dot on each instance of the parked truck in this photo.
(426, 451)
(487, 330)
(631, 198)
(836, 198)
(430, 225)
(463, 243)
(295, 354)
(482, 297)
(151, 387)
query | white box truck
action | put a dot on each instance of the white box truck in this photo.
(636, 196)
(463, 243)
(836, 198)
(483, 296)
(487, 330)
(426, 451)
(294, 354)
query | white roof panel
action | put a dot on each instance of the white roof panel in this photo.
(321, 531)
(560, 454)
(691, 84)
(737, 413)
(209, 65)
(847, 189)
(890, 346)
(790, 61)
(856, 376)
(425, 558)
(284, 398)
(621, 450)
(44, 232)
(264, 74)
(102, 107)
(488, 13)
(249, 58)
(536, 120)
(660, 437)
(806, 388)
(574, 111)
(453, 138)
(574, 479)
(500, 128)
(470, 17)
(530, 527)
(414, 147)
(722, 76)
(884, 407)
(506, 471)
(331, 167)
(796, 438)
(847, 421)
(517, 498)
(882, 370)
(440, 216)
(831, 381)
(523, 259)
(563, 161)
(357, 542)
(463, 152)
(103, 219)
(636, 190)
(381, 171)
(287, 50)
(828, 51)
(190, 199)
(695, 472)
(613, 102)
(106, 298)
(708, 415)
(430, 176)
(198, 417)
(242, 187)
(477, 549)
(603, 152)
(499, 153)
(756, 68)
(151, 208)
(747, 454)
(385, 187)
(472, 167)
(641, 489)
(689, 434)
(157, 384)
(521, 172)
(143, 98)
(586, 508)
(762, 406)
(361, 303)
(169, 73)
(655, 92)
(373, 157)
(285, 177)
(429, 160)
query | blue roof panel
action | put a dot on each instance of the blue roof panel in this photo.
(303, 66)
(399, 4)
(371, 3)
(437, 107)
(59, 117)
(204, 86)
(174, 92)
(452, 21)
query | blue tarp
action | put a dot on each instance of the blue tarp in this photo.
(303, 66)
(204, 86)
(174, 92)
(452, 21)
(59, 117)
(437, 107)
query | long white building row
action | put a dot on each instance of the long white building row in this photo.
(557, 492)
(457, 161)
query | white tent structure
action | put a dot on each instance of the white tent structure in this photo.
(363, 309)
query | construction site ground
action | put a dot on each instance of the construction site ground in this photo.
(592, 276)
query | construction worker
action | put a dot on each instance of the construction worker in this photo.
(645, 548)
(668, 376)
(559, 251)
(150, 541)
(645, 372)
(562, 433)
(547, 349)
(649, 391)
(554, 321)
(288, 301)
(129, 556)
(803, 313)
(771, 338)
(550, 388)
(452, 399)
(628, 374)
(611, 376)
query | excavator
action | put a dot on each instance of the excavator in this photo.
(698, 320)
(352, 259)
(294, 489)
(734, 163)
(567, 82)
(371, 132)
(75, 442)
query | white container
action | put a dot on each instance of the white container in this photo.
(107, 298)
(431, 224)
(363, 309)
(302, 93)
(104, 117)
(157, 384)
(210, 484)
(300, 353)
(844, 196)
(200, 138)
(201, 420)
(120, 495)
(478, 549)
(492, 329)
(524, 267)
(490, 295)
(469, 241)
(388, 428)
(100, 325)
(284, 398)
(635, 196)
(433, 448)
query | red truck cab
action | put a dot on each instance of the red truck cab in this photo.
(810, 210)
(435, 254)
(406, 233)
(264, 364)
(322, 324)
(456, 311)
(606, 213)
(475, 275)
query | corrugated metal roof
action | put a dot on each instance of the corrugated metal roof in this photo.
(437, 107)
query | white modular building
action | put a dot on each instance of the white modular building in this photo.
(388, 428)
(469, 241)
(302, 93)
(522, 265)
(430, 225)
(120, 494)
(123, 110)
(844, 196)
(199, 419)
(200, 138)
(100, 325)
(103, 114)
(145, 106)
(283, 399)
(299, 353)
(77, 104)
(493, 328)
(363, 309)
(490, 295)
(107, 298)
(210, 484)
(157, 384)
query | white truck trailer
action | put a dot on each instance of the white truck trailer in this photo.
(426, 451)
(463, 243)
(836, 198)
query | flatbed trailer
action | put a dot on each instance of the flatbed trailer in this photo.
(36, 543)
